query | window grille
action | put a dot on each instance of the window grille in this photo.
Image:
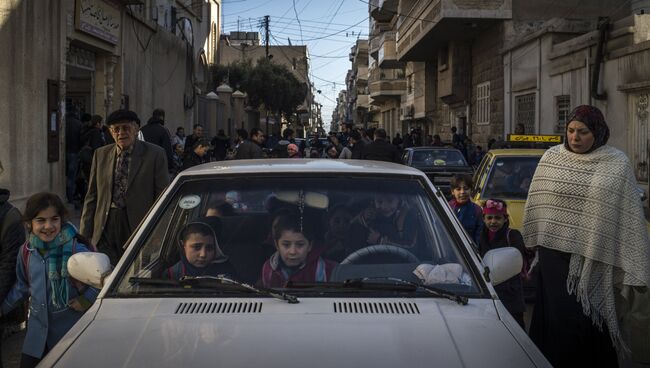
(563, 108)
(483, 103)
(525, 111)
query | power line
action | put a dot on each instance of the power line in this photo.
(298, 19)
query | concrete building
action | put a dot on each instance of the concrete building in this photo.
(387, 79)
(357, 84)
(98, 55)
(566, 63)
(245, 46)
(461, 44)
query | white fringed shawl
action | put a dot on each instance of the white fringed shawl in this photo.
(587, 205)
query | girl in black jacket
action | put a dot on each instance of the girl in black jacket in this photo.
(497, 234)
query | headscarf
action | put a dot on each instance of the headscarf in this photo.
(593, 118)
(211, 224)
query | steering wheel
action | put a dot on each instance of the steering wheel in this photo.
(358, 256)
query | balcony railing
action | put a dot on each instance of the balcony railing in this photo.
(383, 10)
(387, 55)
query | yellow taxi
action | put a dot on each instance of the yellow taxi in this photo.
(506, 173)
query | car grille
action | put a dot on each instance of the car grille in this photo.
(376, 308)
(218, 308)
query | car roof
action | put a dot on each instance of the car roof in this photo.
(517, 152)
(293, 166)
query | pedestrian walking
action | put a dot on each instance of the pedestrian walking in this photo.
(179, 137)
(12, 236)
(41, 270)
(585, 218)
(125, 180)
(156, 133)
(220, 144)
(72, 148)
(496, 233)
(197, 133)
(380, 149)
(250, 148)
(398, 141)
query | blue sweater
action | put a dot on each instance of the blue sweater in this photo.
(46, 326)
(471, 216)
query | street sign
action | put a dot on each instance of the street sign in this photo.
(535, 138)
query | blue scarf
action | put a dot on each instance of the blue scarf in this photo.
(59, 251)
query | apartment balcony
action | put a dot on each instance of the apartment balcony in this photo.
(373, 48)
(386, 84)
(431, 23)
(387, 55)
(383, 10)
(362, 102)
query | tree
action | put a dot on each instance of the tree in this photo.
(268, 84)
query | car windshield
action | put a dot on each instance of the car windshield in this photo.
(510, 177)
(422, 158)
(266, 231)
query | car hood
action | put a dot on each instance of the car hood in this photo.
(314, 333)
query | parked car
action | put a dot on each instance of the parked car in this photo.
(506, 174)
(407, 288)
(440, 164)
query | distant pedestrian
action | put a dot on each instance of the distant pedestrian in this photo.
(220, 144)
(398, 141)
(331, 152)
(57, 300)
(356, 144)
(72, 148)
(125, 180)
(293, 151)
(478, 155)
(197, 133)
(437, 142)
(586, 220)
(178, 160)
(251, 148)
(380, 149)
(179, 137)
(156, 133)
(198, 155)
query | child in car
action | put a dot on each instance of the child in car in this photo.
(497, 234)
(199, 251)
(296, 257)
(469, 214)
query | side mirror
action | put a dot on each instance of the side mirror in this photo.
(503, 264)
(90, 268)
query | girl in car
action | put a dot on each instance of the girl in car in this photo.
(497, 234)
(469, 214)
(296, 257)
(57, 301)
(200, 252)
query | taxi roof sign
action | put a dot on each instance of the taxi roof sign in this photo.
(529, 138)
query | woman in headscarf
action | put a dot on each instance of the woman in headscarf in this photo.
(585, 218)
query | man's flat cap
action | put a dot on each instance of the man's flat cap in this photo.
(122, 115)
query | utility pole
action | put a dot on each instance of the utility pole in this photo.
(266, 30)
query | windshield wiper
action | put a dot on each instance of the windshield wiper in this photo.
(221, 280)
(213, 281)
(369, 283)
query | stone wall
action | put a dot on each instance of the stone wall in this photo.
(32, 37)
(487, 66)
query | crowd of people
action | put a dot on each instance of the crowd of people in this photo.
(584, 229)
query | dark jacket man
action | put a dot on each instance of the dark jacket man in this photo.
(250, 148)
(221, 143)
(380, 149)
(12, 236)
(198, 156)
(156, 133)
(125, 180)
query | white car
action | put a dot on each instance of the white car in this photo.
(316, 263)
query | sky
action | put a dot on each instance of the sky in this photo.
(329, 28)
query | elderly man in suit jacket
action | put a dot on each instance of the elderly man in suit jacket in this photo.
(125, 180)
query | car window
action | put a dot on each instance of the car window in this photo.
(422, 158)
(510, 177)
(480, 174)
(267, 230)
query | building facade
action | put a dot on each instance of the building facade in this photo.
(98, 56)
